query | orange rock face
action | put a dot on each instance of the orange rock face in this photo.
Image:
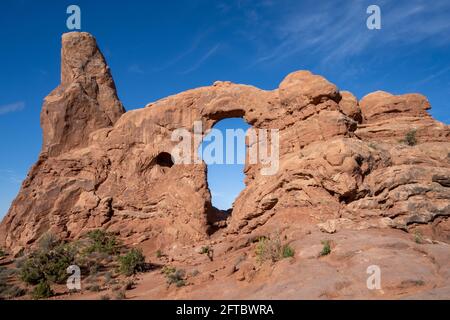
(341, 162)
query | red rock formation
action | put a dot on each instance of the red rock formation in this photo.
(85, 101)
(341, 162)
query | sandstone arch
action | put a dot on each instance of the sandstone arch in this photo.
(95, 169)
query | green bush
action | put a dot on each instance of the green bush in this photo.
(167, 270)
(326, 250)
(410, 138)
(42, 291)
(175, 276)
(6, 273)
(288, 251)
(48, 266)
(271, 249)
(268, 249)
(2, 253)
(102, 242)
(132, 262)
(159, 254)
(418, 238)
(60, 259)
(11, 291)
(208, 251)
(205, 250)
(31, 270)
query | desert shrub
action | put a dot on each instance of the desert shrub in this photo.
(159, 254)
(412, 283)
(205, 250)
(11, 291)
(194, 273)
(59, 259)
(167, 270)
(31, 270)
(48, 242)
(208, 251)
(48, 266)
(326, 249)
(267, 249)
(419, 282)
(418, 238)
(5, 273)
(105, 297)
(175, 276)
(288, 251)
(2, 253)
(102, 242)
(271, 249)
(132, 262)
(42, 291)
(410, 138)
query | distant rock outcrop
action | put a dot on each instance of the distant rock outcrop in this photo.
(341, 162)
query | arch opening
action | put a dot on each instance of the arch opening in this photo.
(224, 152)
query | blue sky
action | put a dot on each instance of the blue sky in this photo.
(158, 48)
(225, 181)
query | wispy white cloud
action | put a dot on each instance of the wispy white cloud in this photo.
(434, 76)
(338, 31)
(196, 41)
(13, 107)
(202, 59)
